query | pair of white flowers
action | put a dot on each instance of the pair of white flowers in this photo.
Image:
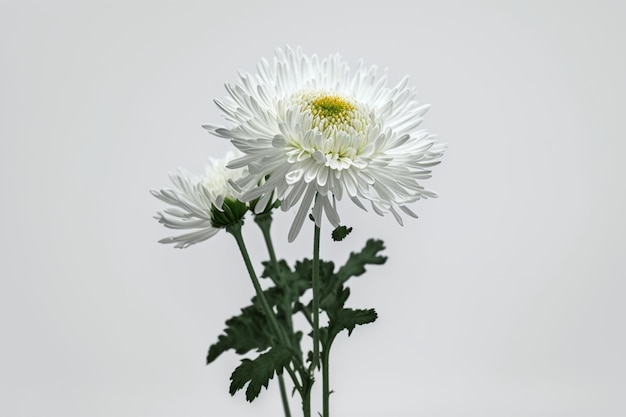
(309, 132)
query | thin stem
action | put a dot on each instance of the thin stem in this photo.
(283, 395)
(265, 222)
(315, 301)
(306, 399)
(235, 230)
(294, 378)
(325, 382)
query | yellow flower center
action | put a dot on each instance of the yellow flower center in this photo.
(339, 119)
(333, 114)
(333, 110)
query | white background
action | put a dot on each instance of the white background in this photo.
(506, 297)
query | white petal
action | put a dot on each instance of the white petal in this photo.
(408, 211)
(296, 226)
(331, 213)
(372, 151)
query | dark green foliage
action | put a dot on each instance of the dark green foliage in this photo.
(243, 333)
(348, 318)
(355, 265)
(252, 331)
(258, 372)
(290, 284)
(334, 293)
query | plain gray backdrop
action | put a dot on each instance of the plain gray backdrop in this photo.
(506, 297)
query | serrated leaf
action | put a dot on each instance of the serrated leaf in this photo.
(304, 270)
(275, 274)
(292, 283)
(355, 265)
(243, 333)
(258, 372)
(334, 298)
(348, 319)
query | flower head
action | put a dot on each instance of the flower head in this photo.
(313, 131)
(202, 204)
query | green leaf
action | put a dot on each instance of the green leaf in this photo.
(304, 270)
(276, 275)
(348, 318)
(249, 330)
(334, 298)
(258, 372)
(340, 233)
(293, 283)
(355, 265)
(243, 333)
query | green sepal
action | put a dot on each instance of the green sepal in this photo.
(232, 211)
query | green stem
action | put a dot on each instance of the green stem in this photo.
(265, 222)
(315, 301)
(235, 230)
(283, 395)
(306, 399)
(294, 378)
(325, 382)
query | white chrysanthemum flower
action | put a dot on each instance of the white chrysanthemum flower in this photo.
(203, 204)
(313, 131)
